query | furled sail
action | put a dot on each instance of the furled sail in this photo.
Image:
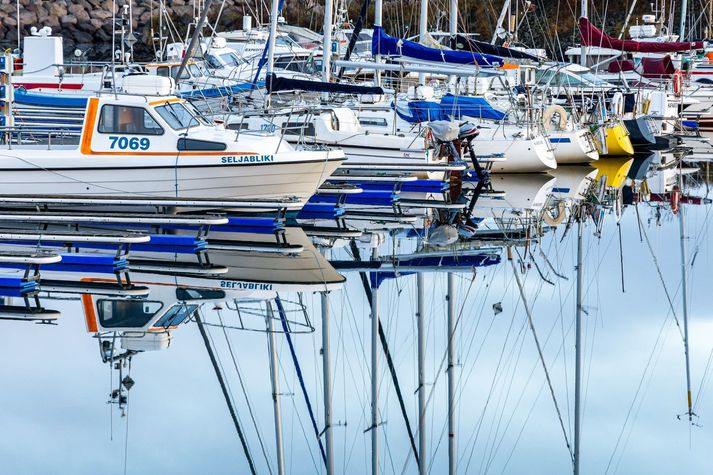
(386, 45)
(593, 36)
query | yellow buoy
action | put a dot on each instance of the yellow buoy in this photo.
(615, 169)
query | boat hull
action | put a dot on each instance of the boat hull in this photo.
(521, 155)
(573, 146)
(283, 175)
(618, 143)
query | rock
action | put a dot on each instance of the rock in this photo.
(9, 21)
(75, 7)
(82, 37)
(51, 21)
(57, 9)
(68, 20)
(28, 18)
(101, 15)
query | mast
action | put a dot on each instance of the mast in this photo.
(275, 383)
(422, 33)
(628, 18)
(194, 40)
(453, 30)
(684, 289)
(378, 7)
(374, 367)
(327, 46)
(501, 18)
(578, 349)
(583, 54)
(327, 376)
(226, 394)
(682, 25)
(274, 8)
(420, 316)
(451, 377)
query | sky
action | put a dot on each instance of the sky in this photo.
(55, 416)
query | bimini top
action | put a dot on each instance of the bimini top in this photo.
(386, 45)
(593, 36)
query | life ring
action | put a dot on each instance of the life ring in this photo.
(549, 113)
(557, 219)
(678, 82)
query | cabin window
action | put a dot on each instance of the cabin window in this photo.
(298, 128)
(213, 61)
(116, 119)
(375, 121)
(163, 71)
(188, 293)
(177, 116)
(175, 315)
(195, 145)
(126, 313)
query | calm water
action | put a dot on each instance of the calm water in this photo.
(56, 419)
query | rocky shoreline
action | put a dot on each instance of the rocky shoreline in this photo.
(87, 24)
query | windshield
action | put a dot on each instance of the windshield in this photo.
(175, 315)
(178, 116)
(126, 313)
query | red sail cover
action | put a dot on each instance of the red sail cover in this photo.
(593, 36)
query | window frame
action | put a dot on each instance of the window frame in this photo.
(146, 111)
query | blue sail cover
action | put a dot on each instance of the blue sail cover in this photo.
(478, 107)
(451, 107)
(386, 45)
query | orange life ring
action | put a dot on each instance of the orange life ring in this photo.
(678, 81)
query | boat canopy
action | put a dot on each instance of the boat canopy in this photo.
(657, 68)
(383, 44)
(593, 36)
(450, 107)
(276, 83)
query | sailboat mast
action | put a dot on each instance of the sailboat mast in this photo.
(327, 377)
(275, 382)
(453, 30)
(274, 8)
(192, 45)
(451, 376)
(378, 7)
(682, 25)
(583, 54)
(501, 19)
(374, 368)
(421, 337)
(422, 33)
(684, 288)
(578, 349)
(327, 46)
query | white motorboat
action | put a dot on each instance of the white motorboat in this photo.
(151, 143)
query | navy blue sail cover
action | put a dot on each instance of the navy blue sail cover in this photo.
(386, 45)
(276, 83)
(469, 44)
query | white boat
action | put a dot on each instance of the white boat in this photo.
(519, 194)
(154, 144)
(340, 127)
